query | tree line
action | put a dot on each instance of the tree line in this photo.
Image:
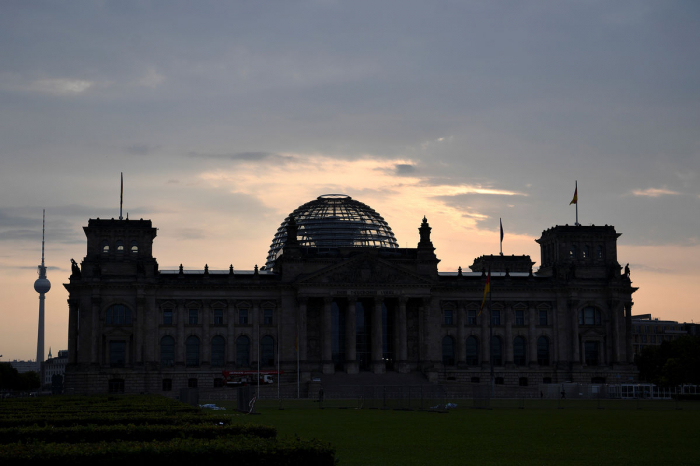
(672, 363)
(10, 379)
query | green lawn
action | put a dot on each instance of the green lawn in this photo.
(575, 435)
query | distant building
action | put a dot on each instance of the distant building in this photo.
(55, 366)
(338, 294)
(648, 331)
(26, 366)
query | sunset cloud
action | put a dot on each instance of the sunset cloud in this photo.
(654, 192)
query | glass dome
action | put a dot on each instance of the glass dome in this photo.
(333, 221)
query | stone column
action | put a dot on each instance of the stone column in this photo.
(301, 322)
(508, 311)
(180, 341)
(95, 336)
(327, 337)
(485, 339)
(576, 353)
(73, 318)
(555, 351)
(614, 309)
(628, 333)
(532, 333)
(230, 333)
(403, 343)
(255, 346)
(206, 340)
(140, 326)
(378, 365)
(351, 364)
(461, 355)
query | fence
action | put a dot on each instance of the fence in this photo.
(479, 396)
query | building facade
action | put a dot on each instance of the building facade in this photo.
(337, 294)
(648, 331)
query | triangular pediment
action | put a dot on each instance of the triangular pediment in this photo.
(364, 270)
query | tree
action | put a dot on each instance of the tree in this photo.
(672, 363)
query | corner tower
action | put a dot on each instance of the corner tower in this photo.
(585, 251)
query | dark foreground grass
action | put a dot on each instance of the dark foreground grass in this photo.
(505, 436)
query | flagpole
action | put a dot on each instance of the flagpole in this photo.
(298, 387)
(278, 358)
(493, 380)
(121, 197)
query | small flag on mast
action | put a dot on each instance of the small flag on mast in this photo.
(487, 290)
(501, 223)
(575, 199)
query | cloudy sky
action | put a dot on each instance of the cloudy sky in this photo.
(225, 116)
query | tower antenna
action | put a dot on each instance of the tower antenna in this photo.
(121, 197)
(43, 232)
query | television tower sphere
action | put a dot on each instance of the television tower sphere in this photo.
(42, 285)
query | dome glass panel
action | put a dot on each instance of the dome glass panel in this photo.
(334, 221)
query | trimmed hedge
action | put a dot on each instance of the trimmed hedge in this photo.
(120, 432)
(178, 452)
(99, 419)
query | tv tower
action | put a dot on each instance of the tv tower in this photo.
(42, 286)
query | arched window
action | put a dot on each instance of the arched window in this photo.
(496, 351)
(104, 246)
(519, 351)
(120, 245)
(472, 351)
(448, 351)
(192, 351)
(543, 351)
(118, 314)
(589, 315)
(267, 351)
(599, 252)
(218, 345)
(167, 351)
(586, 252)
(134, 247)
(573, 252)
(243, 351)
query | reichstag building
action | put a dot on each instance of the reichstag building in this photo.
(338, 294)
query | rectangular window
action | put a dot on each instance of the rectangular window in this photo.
(495, 317)
(192, 383)
(194, 316)
(243, 316)
(448, 317)
(475, 379)
(499, 381)
(519, 317)
(167, 317)
(218, 382)
(471, 317)
(218, 316)
(116, 386)
(167, 385)
(591, 349)
(546, 380)
(543, 317)
(644, 338)
(267, 316)
(522, 381)
(117, 353)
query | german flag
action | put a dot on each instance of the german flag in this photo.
(487, 290)
(575, 199)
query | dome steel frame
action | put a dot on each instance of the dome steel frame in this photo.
(333, 221)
